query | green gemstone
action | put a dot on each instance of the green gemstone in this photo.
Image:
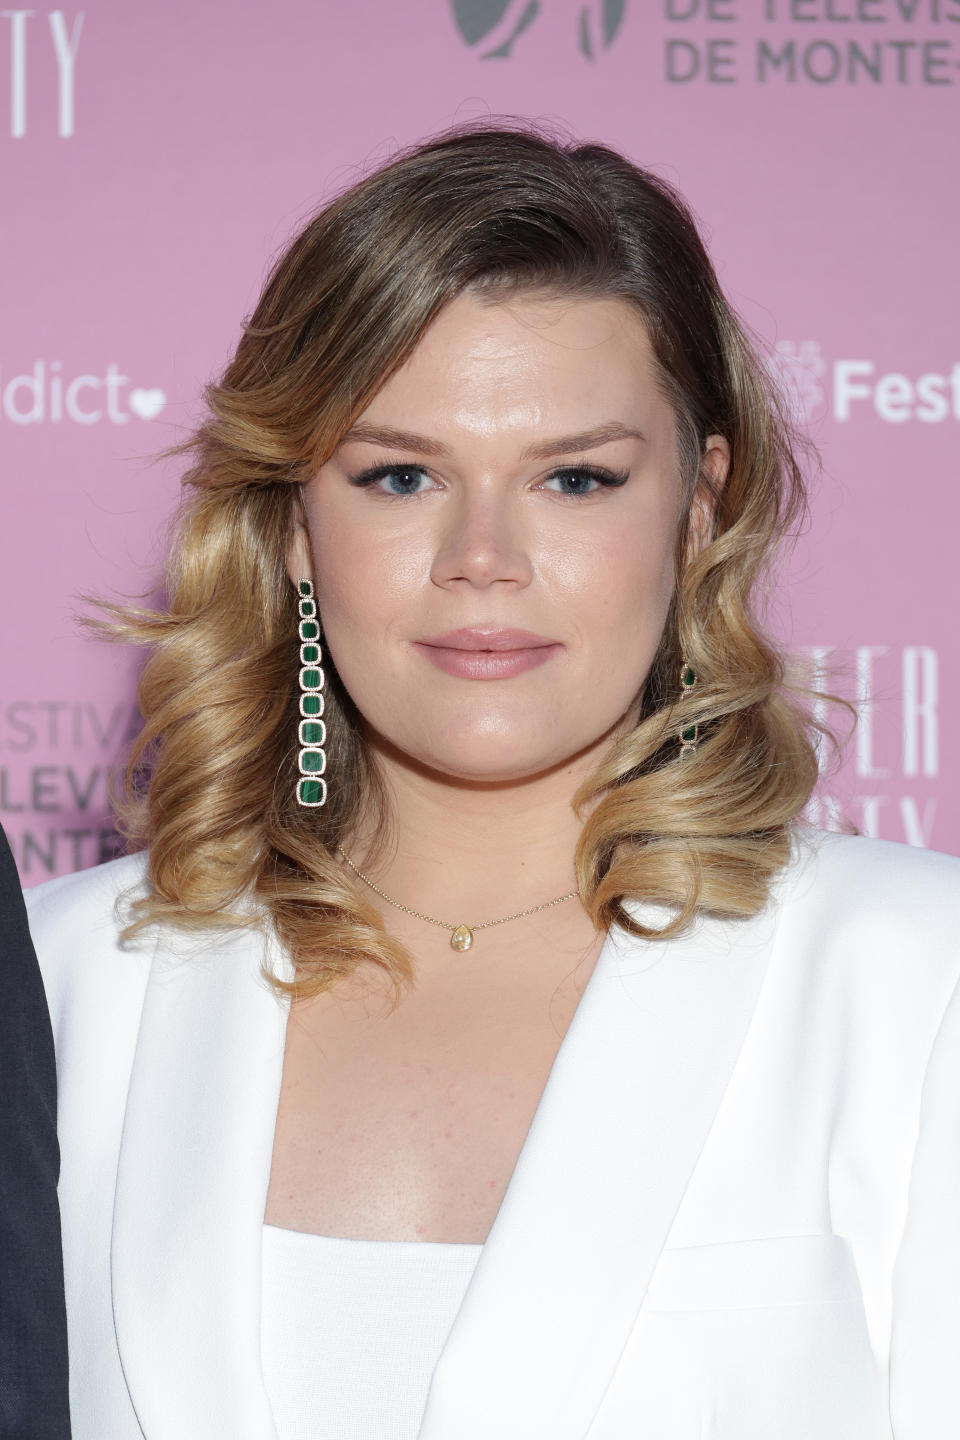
(311, 679)
(312, 762)
(309, 654)
(312, 732)
(308, 609)
(309, 630)
(305, 587)
(311, 705)
(688, 678)
(311, 792)
(689, 735)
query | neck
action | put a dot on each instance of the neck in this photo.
(476, 851)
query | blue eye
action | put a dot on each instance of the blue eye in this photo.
(576, 480)
(397, 480)
(400, 480)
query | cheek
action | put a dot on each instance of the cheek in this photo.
(620, 584)
(363, 581)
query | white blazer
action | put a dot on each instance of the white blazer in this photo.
(736, 1215)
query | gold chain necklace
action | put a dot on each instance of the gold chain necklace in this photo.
(461, 937)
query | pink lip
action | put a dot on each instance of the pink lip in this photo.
(481, 654)
(482, 638)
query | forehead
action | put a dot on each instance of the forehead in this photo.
(525, 360)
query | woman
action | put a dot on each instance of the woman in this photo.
(480, 1046)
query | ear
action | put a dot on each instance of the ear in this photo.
(299, 558)
(714, 468)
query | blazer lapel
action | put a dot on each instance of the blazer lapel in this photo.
(191, 1189)
(624, 1116)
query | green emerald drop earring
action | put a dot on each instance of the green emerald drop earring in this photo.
(311, 731)
(687, 735)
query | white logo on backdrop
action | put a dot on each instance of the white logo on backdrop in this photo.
(857, 388)
(894, 397)
(29, 50)
(146, 404)
(799, 367)
(894, 759)
(45, 394)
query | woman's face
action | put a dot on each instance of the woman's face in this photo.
(492, 545)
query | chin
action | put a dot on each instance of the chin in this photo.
(491, 749)
(479, 776)
(483, 763)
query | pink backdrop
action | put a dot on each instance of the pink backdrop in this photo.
(156, 156)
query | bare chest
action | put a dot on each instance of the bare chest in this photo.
(408, 1125)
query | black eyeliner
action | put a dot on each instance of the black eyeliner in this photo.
(378, 472)
(610, 479)
(600, 473)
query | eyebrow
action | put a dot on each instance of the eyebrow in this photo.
(393, 439)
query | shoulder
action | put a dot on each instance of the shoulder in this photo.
(18, 978)
(85, 887)
(872, 926)
(26, 1049)
(87, 903)
(76, 922)
(874, 885)
(10, 899)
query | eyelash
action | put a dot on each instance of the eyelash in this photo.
(607, 479)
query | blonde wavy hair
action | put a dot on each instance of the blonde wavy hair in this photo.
(211, 783)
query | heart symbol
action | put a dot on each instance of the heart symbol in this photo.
(147, 403)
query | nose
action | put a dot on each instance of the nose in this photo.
(482, 542)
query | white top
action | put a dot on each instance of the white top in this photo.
(734, 1216)
(352, 1330)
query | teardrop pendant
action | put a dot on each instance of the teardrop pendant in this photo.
(462, 938)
